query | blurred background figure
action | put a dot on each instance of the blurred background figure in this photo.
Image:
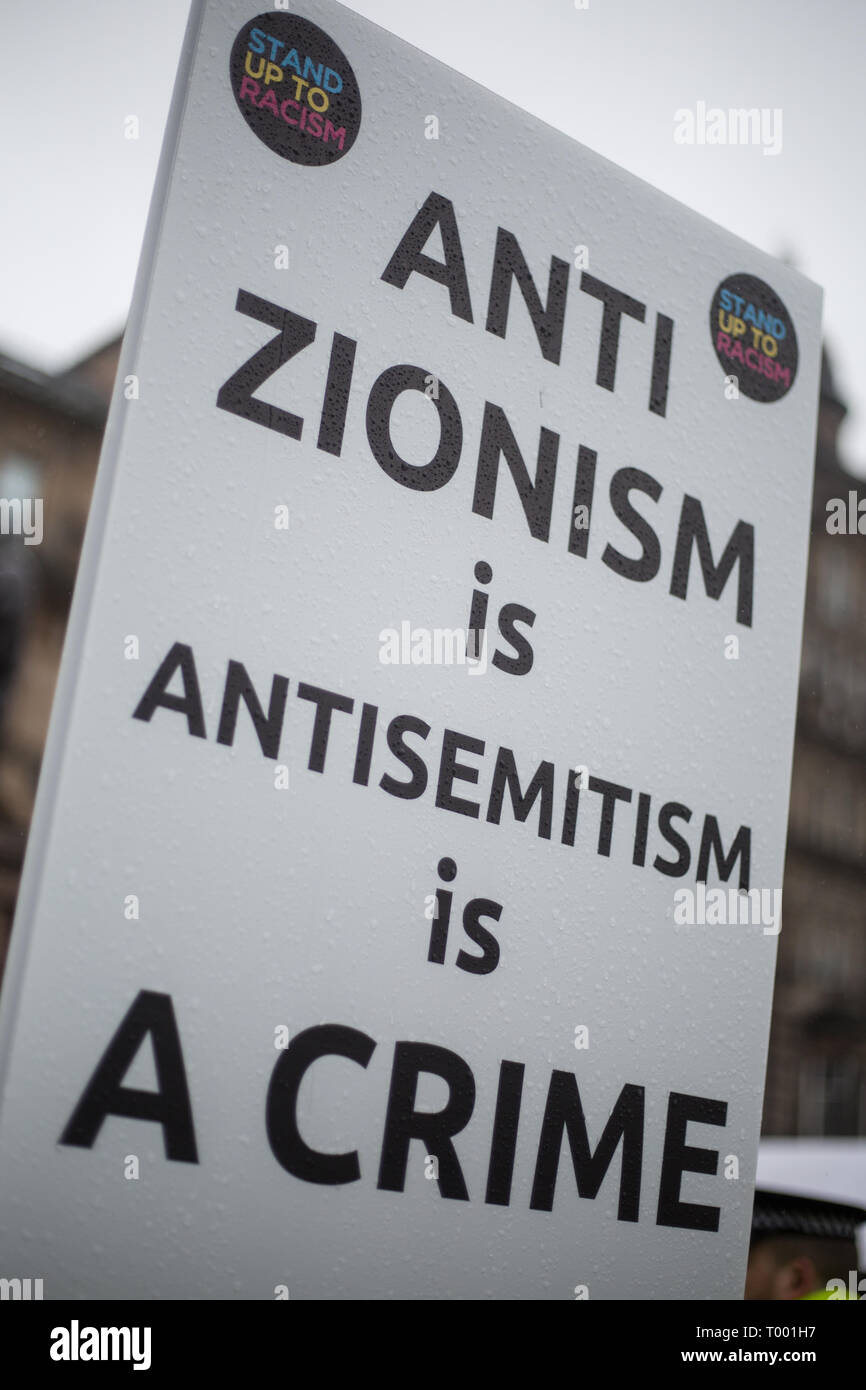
(803, 1247)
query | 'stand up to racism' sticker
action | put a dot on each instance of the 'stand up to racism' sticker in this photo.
(753, 337)
(295, 89)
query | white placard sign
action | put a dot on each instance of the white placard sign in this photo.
(427, 708)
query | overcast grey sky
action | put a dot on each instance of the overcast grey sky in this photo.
(611, 75)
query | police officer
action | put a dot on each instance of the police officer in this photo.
(803, 1247)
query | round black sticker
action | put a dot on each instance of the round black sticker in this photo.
(753, 337)
(295, 88)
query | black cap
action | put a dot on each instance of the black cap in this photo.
(786, 1213)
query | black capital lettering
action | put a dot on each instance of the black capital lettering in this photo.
(740, 550)
(436, 212)
(509, 263)
(678, 1158)
(236, 394)
(268, 727)
(179, 658)
(564, 1112)
(424, 477)
(436, 1128)
(616, 303)
(281, 1107)
(169, 1105)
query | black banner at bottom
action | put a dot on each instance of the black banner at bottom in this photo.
(158, 1339)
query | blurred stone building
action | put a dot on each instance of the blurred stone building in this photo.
(816, 1075)
(50, 432)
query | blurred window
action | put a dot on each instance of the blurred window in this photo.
(835, 594)
(832, 1096)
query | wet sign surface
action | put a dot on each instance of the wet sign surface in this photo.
(401, 906)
